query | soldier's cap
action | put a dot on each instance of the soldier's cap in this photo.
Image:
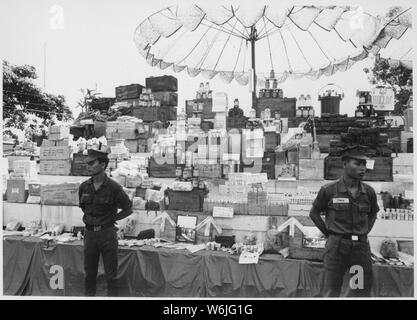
(94, 154)
(354, 153)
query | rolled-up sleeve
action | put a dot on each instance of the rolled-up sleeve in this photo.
(122, 200)
(321, 201)
(374, 202)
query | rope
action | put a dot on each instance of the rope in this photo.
(233, 28)
(269, 46)
(205, 55)
(311, 35)
(406, 53)
(221, 53)
(244, 57)
(214, 26)
(299, 48)
(195, 45)
(286, 52)
(238, 55)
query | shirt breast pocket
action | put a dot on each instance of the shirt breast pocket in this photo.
(364, 209)
(86, 199)
(341, 211)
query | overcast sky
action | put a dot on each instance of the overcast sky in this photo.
(95, 47)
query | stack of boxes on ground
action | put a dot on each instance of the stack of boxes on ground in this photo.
(204, 150)
(56, 153)
(245, 193)
(202, 106)
(274, 100)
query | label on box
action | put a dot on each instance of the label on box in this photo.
(194, 121)
(370, 164)
(248, 258)
(222, 212)
(258, 178)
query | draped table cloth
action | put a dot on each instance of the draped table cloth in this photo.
(32, 267)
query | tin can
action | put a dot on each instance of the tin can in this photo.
(195, 182)
(201, 185)
(186, 174)
(267, 93)
(178, 172)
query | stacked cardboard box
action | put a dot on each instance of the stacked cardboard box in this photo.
(55, 153)
(79, 165)
(16, 190)
(64, 194)
(164, 90)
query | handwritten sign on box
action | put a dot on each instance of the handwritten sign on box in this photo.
(222, 212)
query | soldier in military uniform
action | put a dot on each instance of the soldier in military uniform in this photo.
(350, 208)
(100, 198)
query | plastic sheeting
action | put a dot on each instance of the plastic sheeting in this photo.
(295, 41)
(29, 265)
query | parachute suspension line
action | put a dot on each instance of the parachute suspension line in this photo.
(242, 35)
(205, 55)
(244, 56)
(195, 45)
(238, 55)
(286, 52)
(299, 48)
(173, 45)
(221, 53)
(321, 49)
(406, 53)
(269, 46)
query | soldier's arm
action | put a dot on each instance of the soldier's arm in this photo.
(374, 210)
(79, 198)
(124, 203)
(319, 205)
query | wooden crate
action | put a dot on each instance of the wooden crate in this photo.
(167, 98)
(310, 169)
(102, 103)
(167, 170)
(162, 83)
(286, 106)
(131, 91)
(147, 114)
(186, 200)
(383, 169)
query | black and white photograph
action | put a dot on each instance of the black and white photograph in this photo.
(126, 124)
(186, 229)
